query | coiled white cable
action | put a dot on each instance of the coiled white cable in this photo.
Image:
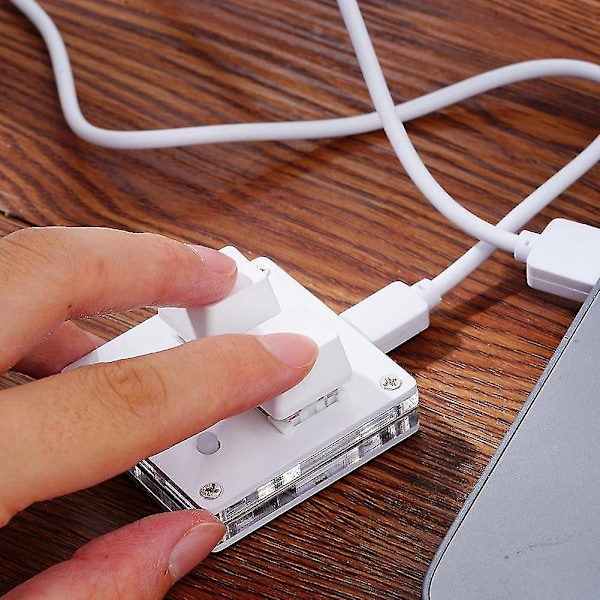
(389, 115)
(278, 131)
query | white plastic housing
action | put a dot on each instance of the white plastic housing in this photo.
(247, 471)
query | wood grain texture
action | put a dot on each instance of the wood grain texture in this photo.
(339, 214)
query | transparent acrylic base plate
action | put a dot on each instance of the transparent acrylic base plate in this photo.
(259, 473)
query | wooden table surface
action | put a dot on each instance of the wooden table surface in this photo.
(338, 214)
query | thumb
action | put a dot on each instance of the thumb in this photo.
(139, 561)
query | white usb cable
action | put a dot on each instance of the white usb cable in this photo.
(380, 95)
(564, 259)
(391, 116)
(404, 310)
(278, 131)
(398, 312)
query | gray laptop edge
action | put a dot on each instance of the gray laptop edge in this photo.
(531, 527)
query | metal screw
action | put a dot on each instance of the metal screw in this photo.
(390, 382)
(211, 491)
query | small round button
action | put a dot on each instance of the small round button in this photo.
(207, 443)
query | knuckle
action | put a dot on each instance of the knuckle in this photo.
(38, 251)
(37, 243)
(133, 387)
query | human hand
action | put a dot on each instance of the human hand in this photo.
(66, 431)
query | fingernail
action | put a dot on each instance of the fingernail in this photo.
(291, 349)
(194, 547)
(216, 261)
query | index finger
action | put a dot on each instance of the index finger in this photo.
(51, 275)
(75, 429)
